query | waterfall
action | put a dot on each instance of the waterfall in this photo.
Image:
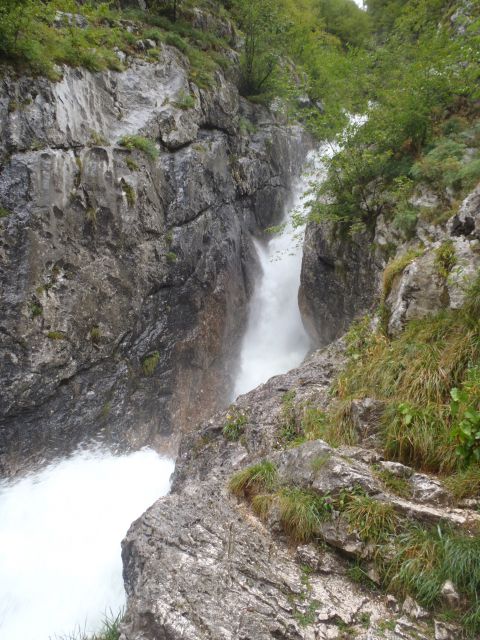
(275, 340)
(60, 534)
(61, 528)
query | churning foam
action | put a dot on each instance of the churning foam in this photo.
(60, 534)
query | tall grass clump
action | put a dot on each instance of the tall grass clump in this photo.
(302, 512)
(424, 559)
(371, 519)
(465, 483)
(415, 374)
(110, 630)
(257, 479)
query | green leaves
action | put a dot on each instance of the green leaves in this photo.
(465, 412)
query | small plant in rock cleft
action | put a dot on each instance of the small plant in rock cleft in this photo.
(184, 101)
(150, 363)
(141, 144)
(234, 427)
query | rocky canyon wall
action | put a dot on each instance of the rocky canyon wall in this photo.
(124, 275)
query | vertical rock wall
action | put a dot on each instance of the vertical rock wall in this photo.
(124, 278)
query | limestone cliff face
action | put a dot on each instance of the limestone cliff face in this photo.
(124, 277)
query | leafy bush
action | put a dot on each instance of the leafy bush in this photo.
(465, 410)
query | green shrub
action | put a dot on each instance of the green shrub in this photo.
(465, 410)
(174, 40)
(141, 143)
(4, 212)
(405, 220)
(150, 363)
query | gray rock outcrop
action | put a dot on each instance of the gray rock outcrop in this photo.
(341, 275)
(339, 280)
(200, 565)
(124, 275)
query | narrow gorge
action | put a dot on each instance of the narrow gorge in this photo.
(239, 320)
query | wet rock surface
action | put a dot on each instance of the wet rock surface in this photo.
(338, 280)
(122, 276)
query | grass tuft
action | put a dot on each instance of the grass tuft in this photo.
(465, 483)
(445, 258)
(371, 519)
(424, 559)
(56, 335)
(399, 486)
(396, 267)
(141, 144)
(258, 479)
(110, 631)
(301, 513)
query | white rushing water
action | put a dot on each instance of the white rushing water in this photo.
(60, 534)
(275, 340)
